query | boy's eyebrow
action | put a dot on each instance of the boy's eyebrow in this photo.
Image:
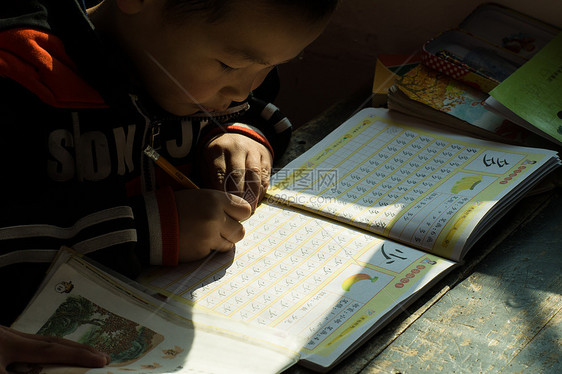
(251, 56)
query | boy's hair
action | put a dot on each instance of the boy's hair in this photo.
(215, 10)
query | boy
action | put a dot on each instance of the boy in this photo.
(83, 93)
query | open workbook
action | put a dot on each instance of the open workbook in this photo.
(348, 235)
(357, 227)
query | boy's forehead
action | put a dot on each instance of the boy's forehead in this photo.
(251, 55)
(264, 38)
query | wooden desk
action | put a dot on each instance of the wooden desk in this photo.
(501, 311)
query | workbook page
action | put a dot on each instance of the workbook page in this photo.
(319, 280)
(426, 189)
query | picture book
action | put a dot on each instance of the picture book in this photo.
(434, 96)
(355, 229)
(532, 95)
(490, 44)
(82, 302)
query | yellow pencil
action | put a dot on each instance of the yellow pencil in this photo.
(170, 169)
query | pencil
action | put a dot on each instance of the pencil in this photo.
(170, 169)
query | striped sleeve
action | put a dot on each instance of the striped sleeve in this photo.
(96, 231)
(271, 122)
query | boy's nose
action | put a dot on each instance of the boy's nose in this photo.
(238, 91)
(241, 88)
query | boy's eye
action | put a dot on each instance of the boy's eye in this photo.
(226, 67)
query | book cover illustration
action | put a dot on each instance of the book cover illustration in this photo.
(459, 100)
(488, 45)
(132, 346)
(79, 319)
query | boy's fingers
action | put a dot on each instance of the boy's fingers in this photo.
(224, 245)
(258, 170)
(219, 181)
(233, 231)
(31, 350)
(237, 208)
(252, 187)
(264, 181)
(234, 181)
(52, 339)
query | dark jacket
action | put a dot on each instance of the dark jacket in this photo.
(72, 131)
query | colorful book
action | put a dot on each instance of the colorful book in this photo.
(532, 95)
(434, 96)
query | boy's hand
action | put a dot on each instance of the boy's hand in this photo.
(209, 221)
(239, 165)
(25, 348)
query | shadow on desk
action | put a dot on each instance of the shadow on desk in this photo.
(501, 311)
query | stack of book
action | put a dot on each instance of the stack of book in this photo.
(495, 51)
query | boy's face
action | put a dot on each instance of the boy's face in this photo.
(188, 64)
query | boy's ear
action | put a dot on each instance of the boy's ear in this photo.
(131, 6)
